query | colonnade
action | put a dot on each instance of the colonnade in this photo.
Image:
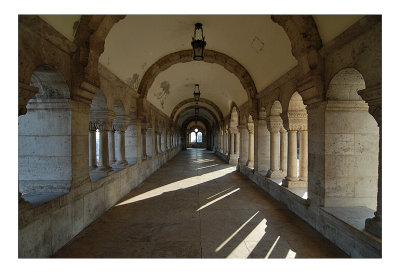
(112, 149)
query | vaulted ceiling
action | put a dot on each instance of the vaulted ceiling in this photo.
(258, 44)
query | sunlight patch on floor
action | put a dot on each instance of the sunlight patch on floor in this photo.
(291, 254)
(217, 199)
(178, 185)
(236, 232)
(272, 247)
(220, 192)
(255, 236)
(209, 166)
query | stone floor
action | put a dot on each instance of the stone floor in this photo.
(198, 206)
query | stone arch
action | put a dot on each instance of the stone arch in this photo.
(180, 104)
(306, 43)
(192, 107)
(352, 144)
(90, 38)
(45, 168)
(210, 56)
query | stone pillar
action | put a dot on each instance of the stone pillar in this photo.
(373, 96)
(250, 163)
(131, 142)
(263, 142)
(237, 139)
(111, 147)
(303, 156)
(283, 154)
(92, 146)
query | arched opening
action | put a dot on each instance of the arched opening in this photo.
(99, 137)
(278, 143)
(44, 139)
(297, 148)
(116, 137)
(351, 145)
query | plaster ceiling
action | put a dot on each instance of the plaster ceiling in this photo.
(63, 24)
(256, 42)
(330, 26)
(216, 84)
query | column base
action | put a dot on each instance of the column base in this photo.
(290, 182)
(120, 165)
(233, 159)
(100, 172)
(374, 226)
(276, 174)
(250, 164)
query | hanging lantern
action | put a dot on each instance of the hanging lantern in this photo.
(198, 42)
(196, 93)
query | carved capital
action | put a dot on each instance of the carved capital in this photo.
(92, 126)
(275, 123)
(250, 127)
(120, 123)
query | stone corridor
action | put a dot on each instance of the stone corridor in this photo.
(198, 206)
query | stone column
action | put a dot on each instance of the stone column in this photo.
(250, 163)
(283, 154)
(291, 179)
(103, 164)
(92, 146)
(274, 152)
(233, 157)
(111, 147)
(373, 96)
(275, 126)
(121, 162)
(237, 139)
(303, 156)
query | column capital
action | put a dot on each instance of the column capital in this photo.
(92, 126)
(297, 120)
(102, 119)
(25, 93)
(275, 123)
(120, 123)
(250, 127)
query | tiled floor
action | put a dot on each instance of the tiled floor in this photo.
(197, 206)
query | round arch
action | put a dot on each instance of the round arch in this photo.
(210, 56)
